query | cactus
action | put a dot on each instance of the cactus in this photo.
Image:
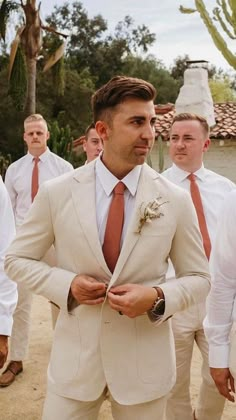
(61, 140)
(5, 161)
(160, 153)
(149, 160)
(225, 15)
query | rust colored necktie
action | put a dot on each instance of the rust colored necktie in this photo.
(197, 201)
(35, 178)
(114, 226)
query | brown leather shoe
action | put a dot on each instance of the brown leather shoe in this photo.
(8, 376)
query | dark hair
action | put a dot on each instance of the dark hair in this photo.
(90, 127)
(187, 116)
(116, 91)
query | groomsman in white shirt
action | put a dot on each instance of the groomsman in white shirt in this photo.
(92, 144)
(8, 289)
(189, 140)
(221, 302)
(22, 180)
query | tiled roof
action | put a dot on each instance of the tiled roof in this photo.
(78, 142)
(225, 116)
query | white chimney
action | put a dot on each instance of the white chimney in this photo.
(195, 95)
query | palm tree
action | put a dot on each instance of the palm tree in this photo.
(25, 50)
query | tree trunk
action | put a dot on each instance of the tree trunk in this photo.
(31, 40)
(30, 107)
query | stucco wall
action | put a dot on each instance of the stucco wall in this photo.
(221, 159)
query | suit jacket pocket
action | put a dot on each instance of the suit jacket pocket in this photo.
(155, 352)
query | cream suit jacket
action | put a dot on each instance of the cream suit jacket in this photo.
(94, 345)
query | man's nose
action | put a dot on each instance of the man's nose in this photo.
(148, 132)
(180, 144)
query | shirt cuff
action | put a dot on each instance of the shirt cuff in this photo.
(6, 323)
(219, 356)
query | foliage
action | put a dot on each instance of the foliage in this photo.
(180, 65)
(60, 141)
(5, 161)
(89, 45)
(154, 71)
(221, 90)
(18, 80)
(25, 50)
(11, 122)
(223, 19)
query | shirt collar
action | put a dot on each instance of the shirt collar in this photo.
(180, 175)
(43, 157)
(109, 181)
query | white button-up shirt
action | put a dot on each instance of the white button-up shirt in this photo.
(19, 176)
(213, 189)
(8, 288)
(221, 308)
(105, 183)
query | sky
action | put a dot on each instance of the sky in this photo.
(176, 34)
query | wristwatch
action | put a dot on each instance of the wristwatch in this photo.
(158, 307)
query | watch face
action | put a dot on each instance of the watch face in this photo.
(159, 307)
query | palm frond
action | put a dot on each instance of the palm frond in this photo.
(13, 51)
(6, 8)
(56, 56)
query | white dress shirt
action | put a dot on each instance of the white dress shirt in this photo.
(19, 175)
(105, 183)
(221, 309)
(213, 189)
(8, 288)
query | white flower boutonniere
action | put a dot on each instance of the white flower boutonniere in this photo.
(150, 211)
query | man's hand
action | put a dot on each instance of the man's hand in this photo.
(224, 382)
(132, 299)
(3, 349)
(87, 290)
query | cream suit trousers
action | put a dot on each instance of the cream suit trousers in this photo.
(187, 328)
(57, 407)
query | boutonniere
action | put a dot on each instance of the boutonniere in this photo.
(150, 211)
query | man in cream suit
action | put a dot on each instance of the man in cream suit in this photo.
(113, 333)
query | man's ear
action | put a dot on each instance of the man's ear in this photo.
(206, 145)
(102, 129)
(84, 144)
(48, 135)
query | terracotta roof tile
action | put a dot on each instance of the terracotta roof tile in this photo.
(225, 116)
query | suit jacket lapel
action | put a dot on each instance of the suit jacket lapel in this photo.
(83, 196)
(146, 192)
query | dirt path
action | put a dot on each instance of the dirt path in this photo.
(23, 400)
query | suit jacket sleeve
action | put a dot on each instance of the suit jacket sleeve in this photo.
(23, 260)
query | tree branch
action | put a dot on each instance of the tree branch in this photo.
(51, 29)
